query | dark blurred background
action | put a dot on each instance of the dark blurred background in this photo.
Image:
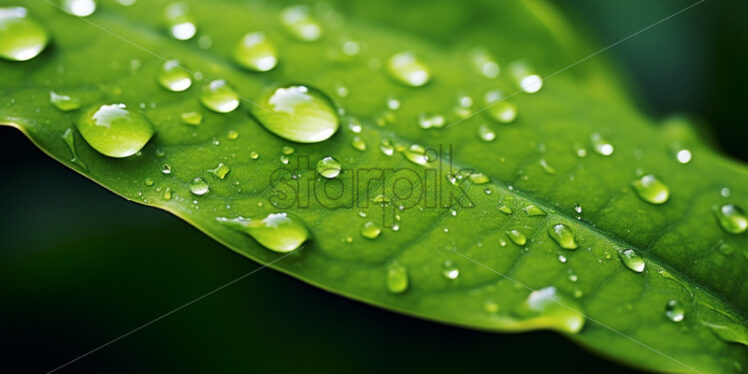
(79, 266)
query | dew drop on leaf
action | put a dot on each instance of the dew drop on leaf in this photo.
(21, 38)
(358, 143)
(114, 130)
(651, 189)
(220, 171)
(416, 154)
(525, 77)
(298, 113)
(278, 232)
(554, 310)
(192, 118)
(683, 156)
(503, 208)
(600, 145)
(174, 77)
(179, 21)
(299, 23)
(517, 237)
(255, 52)
(427, 121)
(199, 186)
(397, 278)
(632, 260)
(479, 178)
(370, 230)
(732, 218)
(63, 102)
(484, 63)
(328, 167)
(532, 210)
(563, 235)
(79, 8)
(254, 155)
(450, 270)
(406, 68)
(674, 311)
(485, 133)
(286, 150)
(499, 109)
(219, 97)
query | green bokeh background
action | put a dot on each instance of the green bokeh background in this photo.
(79, 266)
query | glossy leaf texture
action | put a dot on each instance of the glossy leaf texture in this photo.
(580, 215)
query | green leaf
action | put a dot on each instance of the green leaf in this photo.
(654, 281)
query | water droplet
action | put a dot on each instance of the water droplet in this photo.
(199, 186)
(683, 156)
(393, 103)
(651, 189)
(180, 23)
(370, 230)
(21, 38)
(485, 133)
(562, 259)
(254, 155)
(79, 8)
(547, 168)
(219, 171)
(232, 135)
(532, 210)
(553, 310)
(491, 306)
(218, 96)
(674, 311)
(417, 155)
(114, 130)
(328, 167)
(167, 194)
(499, 109)
(63, 102)
(299, 23)
(525, 78)
(174, 77)
(427, 121)
(725, 192)
(484, 63)
(165, 169)
(479, 178)
(579, 150)
(298, 113)
(287, 150)
(255, 52)
(503, 208)
(148, 182)
(407, 69)
(397, 278)
(284, 159)
(69, 138)
(358, 143)
(563, 235)
(192, 118)
(278, 232)
(578, 208)
(387, 148)
(732, 218)
(517, 237)
(600, 145)
(573, 277)
(632, 260)
(449, 270)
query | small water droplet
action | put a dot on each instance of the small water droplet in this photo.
(69, 138)
(674, 311)
(179, 21)
(220, 171)
(165, 169)
(254, 155)
(299, 23)
(148, 182)
(63, 102)
(683, 156)
(358, 143)
(491, 306)
(407, 69)
(578, 208)
(579, 150)
(547, 168)
(284, 159)
(232, 135)
(573, 277)
(449, 270)
(278, 232)
(499, 109)
(632, 260)
(174, 77)
(427, 121)
(255, 52)
(517, 237)
(562, 259)
(393, 103)
(386, 148)
(651, 189)
(484, 63)
(167, 194)
(725, 192)
(563, 235)
(479, 178)
(732, 218)
(485, 133)
(192, 118)
(328, 167)
(286, 150)
(298, 113)
(525, 77)
(79, 8)
(397, 278)
(114, 130)
(199, 186)
(600, 145)
(218, 96)
(503, 208)
(417, 154)
(532, 210)
(21, 37)
(370, 230)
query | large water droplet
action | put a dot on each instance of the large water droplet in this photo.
(328, 167)
(299, 23)
(255, 52)
(114, 130)
(173, 77)
(674, 311)
(732, 218)
(21, 38)
(218, 96)
(79, 8)
(278, 232)
(297, 112)
(199, 186)
(651, 189)
(549, 308)
(499, 109)
(407, 69)
(370, 230)
(397, 278)
(563, 235)
(517, 237)
(63, 102)
(632, 260)
(179, 21)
